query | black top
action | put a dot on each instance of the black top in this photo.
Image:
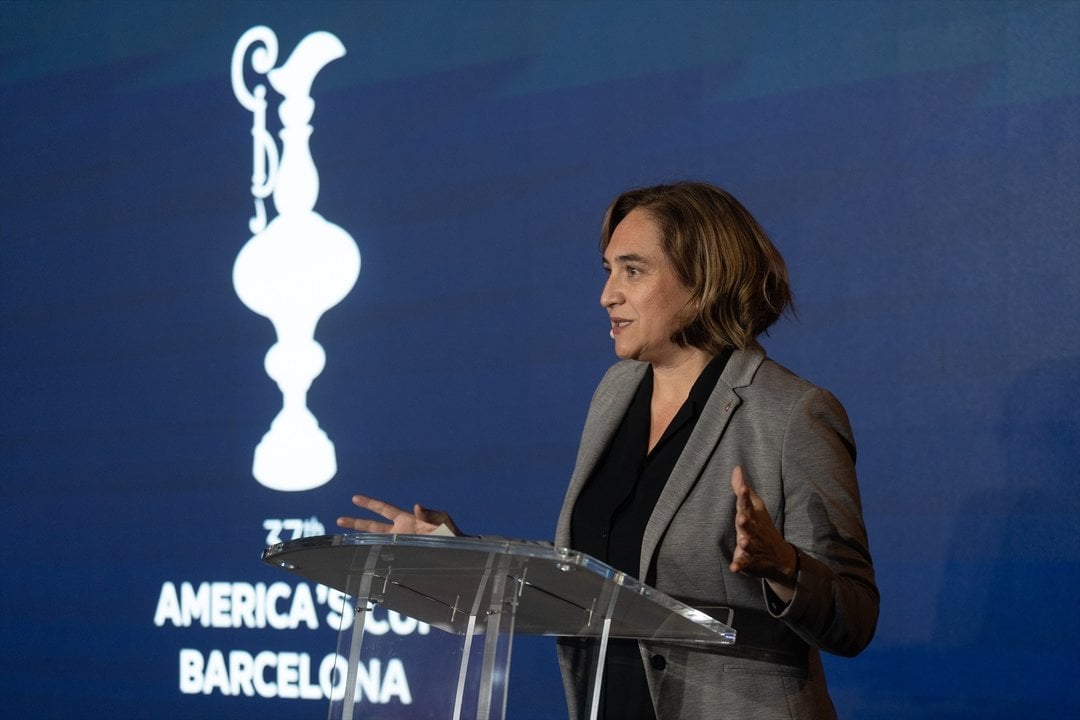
(609, 517)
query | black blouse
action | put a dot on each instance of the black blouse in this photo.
(609, 517)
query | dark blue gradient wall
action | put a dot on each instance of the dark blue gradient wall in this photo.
(917, 163)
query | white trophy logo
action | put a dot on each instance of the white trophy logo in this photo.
(298, 266)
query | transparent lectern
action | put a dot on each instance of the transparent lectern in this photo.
(480, 593)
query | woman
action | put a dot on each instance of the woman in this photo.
(710, 472)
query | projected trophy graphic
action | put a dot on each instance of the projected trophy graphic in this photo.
(297, 266)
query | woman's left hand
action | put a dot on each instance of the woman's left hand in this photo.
(760, 549)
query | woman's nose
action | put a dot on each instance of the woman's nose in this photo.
(609, 293)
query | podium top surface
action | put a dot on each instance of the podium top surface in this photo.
(449, 582)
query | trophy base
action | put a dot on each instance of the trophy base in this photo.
(295, 455)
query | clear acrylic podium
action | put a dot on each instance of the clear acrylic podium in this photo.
(480, 593)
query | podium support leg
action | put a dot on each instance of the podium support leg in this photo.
(359, 587)
(470, 633)
(463, 670)
(601, 654)
(355, 640)
(498, 638)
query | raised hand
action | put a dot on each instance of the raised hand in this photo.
(760, 549)
(421, 521)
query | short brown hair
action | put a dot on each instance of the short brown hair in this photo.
(737, 278)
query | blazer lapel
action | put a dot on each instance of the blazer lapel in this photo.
(706, 436)
(609, 405)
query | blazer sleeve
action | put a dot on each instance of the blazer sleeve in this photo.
(836, 600)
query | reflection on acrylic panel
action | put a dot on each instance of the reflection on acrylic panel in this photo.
(297, 266)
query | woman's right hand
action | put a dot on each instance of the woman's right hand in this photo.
(421, 521)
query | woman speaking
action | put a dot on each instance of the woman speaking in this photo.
(708, 471)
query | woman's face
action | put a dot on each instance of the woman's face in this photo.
(645, 300)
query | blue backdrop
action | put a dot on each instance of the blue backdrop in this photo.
(917, 163)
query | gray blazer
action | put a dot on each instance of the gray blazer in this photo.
(796, 448)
